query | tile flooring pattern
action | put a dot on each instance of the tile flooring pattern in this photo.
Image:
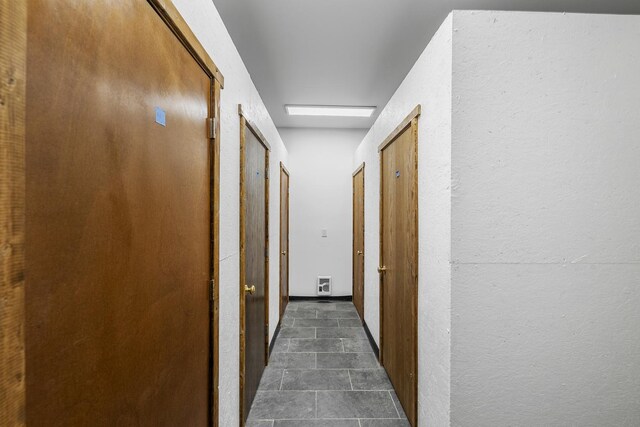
(323, 373)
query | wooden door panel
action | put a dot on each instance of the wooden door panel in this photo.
(284, 239)
(399, 255)
(358, 241)
(255, 274)
(118, 219)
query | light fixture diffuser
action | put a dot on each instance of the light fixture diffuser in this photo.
(329, 111)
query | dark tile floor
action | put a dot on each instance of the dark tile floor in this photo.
(323, 373)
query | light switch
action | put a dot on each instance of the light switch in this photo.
(324, 232)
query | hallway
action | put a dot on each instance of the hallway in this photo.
(323, 372)
(222, 213)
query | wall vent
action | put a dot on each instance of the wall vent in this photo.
(324, 285)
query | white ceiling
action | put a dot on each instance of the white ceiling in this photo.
(351, 52)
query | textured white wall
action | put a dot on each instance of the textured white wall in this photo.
(545, 220)
(321, 164)
(428, 84)
(205, 22)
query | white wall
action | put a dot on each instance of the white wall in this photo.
(428, 84)
(321, 164)
(205, 22)
(529, 215)
(545, 220)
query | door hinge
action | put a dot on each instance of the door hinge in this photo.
(212, 284)
(211, 125)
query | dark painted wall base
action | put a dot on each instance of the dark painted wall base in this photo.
(331, 298)
(275, 337)
(374, 346)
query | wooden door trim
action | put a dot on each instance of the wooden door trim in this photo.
(13, 39)
(13, 21)
(284, 169)
(353, 232)
(170, 15)
(358, 170)
(254, 128)
(415, 113)
(411, 121)
(245, 123)
(215, 255)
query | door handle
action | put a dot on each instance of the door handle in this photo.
(359, 252)
(382, 269)
(251, 290)
(284, 252)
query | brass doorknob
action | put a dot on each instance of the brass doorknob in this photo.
(382, 269)
(251, 290)
(284, 252)
(359, 252)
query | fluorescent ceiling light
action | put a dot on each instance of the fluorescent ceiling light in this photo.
(328, 110)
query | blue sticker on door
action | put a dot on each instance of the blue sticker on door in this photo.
(161, 117)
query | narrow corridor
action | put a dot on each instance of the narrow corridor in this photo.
(323, 372)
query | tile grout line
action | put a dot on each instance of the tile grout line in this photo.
(394, 403)
(282, 380)
(316, 405)
(351, 382)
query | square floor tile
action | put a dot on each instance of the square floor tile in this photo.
(340, 333)
(316, 323)
(271, 379)
(347, 361)
(355, 404)
(287, 321)
(273, 405)
(293, 360)
(337, 314)
(345, 307)
(319, 345)
(357, 345)
(281, 345)
(396, 401)
(317, 423)
(294, 332)
(385, 423)
(302, 313)
(316, 379)
(346, 323)
(259, 423)
(370, 379)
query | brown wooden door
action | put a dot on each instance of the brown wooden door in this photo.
(118, 232)
(358, 241)
(399, 255)
(253, 275)
(284, 239)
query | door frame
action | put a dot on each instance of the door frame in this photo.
(13, 64)
(360, 168)
(409, 122)
(244, 124)
(284, 170)
(12, 201)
